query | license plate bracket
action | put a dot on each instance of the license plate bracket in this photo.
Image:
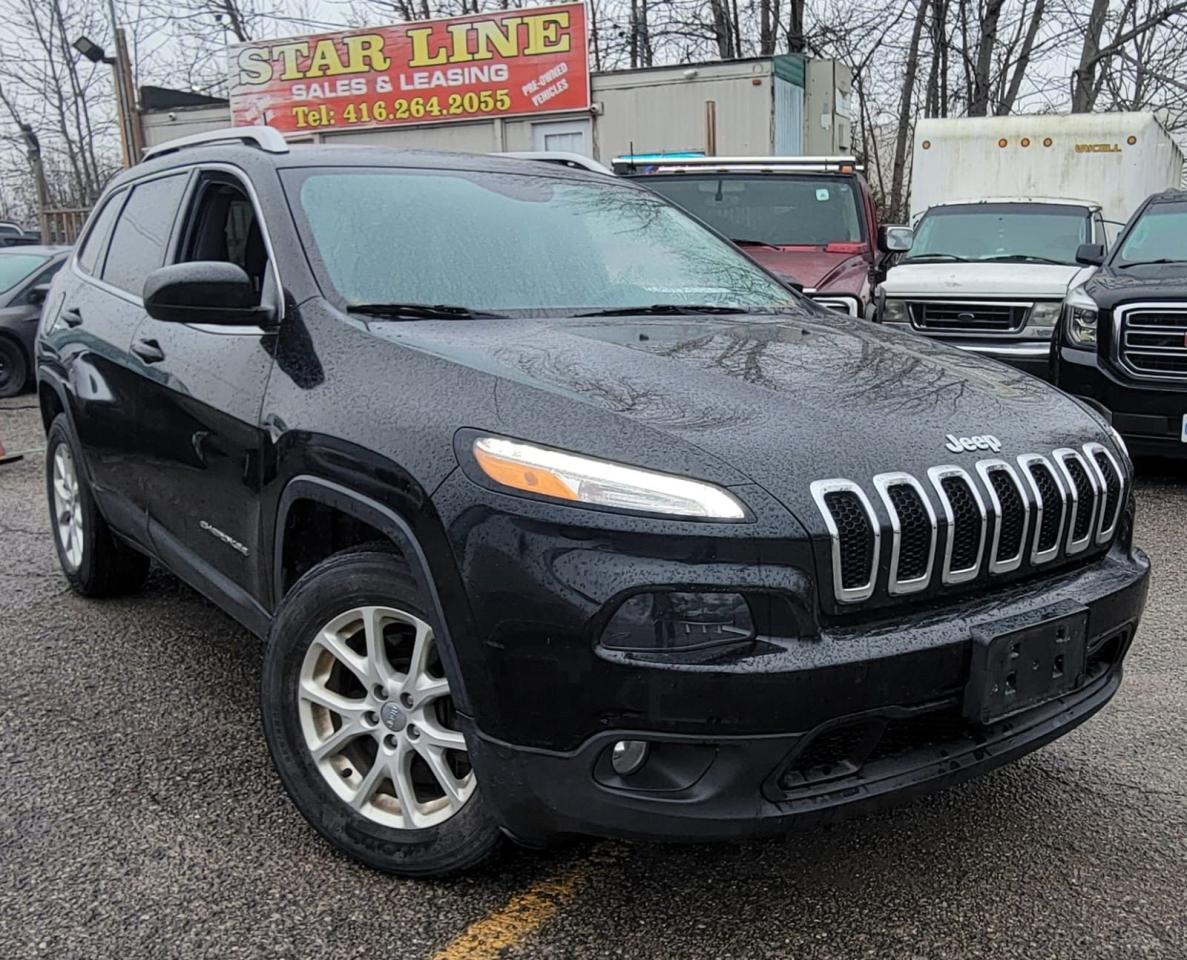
(1024, 661)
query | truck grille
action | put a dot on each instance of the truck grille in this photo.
(1032, 512)
(951, 316)
(1152, 340)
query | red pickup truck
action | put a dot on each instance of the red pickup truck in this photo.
(810, 219)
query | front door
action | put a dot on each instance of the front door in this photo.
(201, 389)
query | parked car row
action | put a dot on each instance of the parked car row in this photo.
(1014, 253)
(25, 275)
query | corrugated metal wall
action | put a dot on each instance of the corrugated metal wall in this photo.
(788, 119)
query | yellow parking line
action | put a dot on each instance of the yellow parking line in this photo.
(526, 912)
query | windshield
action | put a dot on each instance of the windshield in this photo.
(15, 267)
(514, 242)
(779, 210)
(1002, 231)
(1159, 234)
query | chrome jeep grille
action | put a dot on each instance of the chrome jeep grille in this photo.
(1152, 340)
(962, 525)
(952, 316)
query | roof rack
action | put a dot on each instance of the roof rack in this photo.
(829, 164)
(263, 138)
(564, 158)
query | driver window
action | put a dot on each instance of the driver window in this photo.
(223, 227)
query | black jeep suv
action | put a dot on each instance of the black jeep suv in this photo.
(1122, 338)
(557, 512)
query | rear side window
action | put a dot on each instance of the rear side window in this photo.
(96, 238)
(142, 232)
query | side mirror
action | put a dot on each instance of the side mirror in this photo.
(895, 239)
(789, 281)
(1090, 254)
(205, 291)
(36, 295)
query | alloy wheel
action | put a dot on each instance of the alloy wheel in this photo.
(378, 719)
(67, 507)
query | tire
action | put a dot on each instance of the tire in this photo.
(94, 562)
(14, 369)
(385, 726)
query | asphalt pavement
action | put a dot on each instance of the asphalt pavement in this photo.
(140, 816)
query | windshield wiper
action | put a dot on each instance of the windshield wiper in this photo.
(924, 257)
(753, 243)
(422, 311)
(666, 310)
(1024, 258)
(1151, 263)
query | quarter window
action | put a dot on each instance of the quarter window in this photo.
(142, 232)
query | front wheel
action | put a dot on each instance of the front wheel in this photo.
(359, 715)
(14, 371)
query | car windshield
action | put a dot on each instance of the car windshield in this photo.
(779, 210)
(15, 267)
(1036, 232)
(507, 242)
(1160, 235)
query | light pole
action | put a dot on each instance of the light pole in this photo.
(125, 99)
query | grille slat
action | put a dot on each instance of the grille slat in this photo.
(986, 526)
(968, 519)
(913, 531)
(857, 538)
(1083, 523)
(1152, 341)
(1109, 476)
(1049, 504)
(1011, 513)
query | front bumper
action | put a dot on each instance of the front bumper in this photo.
(1031, 356)
(1148, 414)
(855, 719)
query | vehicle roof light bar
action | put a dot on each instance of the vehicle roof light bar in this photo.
(268, 139)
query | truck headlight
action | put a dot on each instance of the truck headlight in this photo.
(895, 311)
(582, 480)
(1083, 316)
(1043, 316)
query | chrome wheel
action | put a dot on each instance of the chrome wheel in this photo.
(378, 719)
(67, 507)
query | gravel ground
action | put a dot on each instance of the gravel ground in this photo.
(140, 817)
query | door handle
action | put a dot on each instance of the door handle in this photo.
(71, 317)
(148, 350)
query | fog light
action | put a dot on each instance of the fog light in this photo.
(673, 621)
(628, 756)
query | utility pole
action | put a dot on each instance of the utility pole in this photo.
(33, 146)
(125, 94)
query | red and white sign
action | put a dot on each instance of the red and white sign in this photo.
(509, 63)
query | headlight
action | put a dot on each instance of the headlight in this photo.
(1045, 314)
(567, 476)
(895, 311)
(1082, 316)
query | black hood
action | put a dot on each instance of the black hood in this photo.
(1112, 286)
(780, 401)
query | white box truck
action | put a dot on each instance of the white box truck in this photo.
(1000, 206)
